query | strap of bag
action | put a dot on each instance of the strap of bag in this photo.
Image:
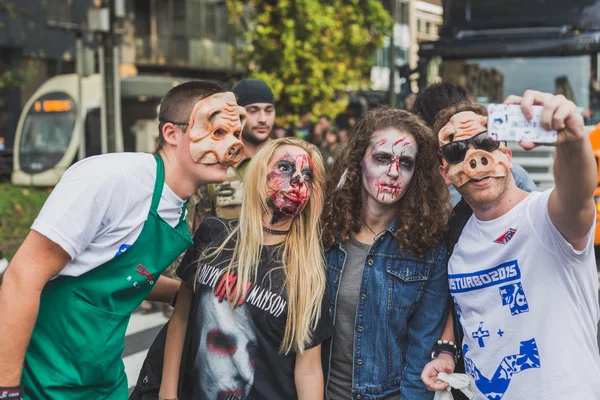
(460, 215)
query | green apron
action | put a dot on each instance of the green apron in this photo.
(76, 346)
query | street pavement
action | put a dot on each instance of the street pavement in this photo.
(141, 332)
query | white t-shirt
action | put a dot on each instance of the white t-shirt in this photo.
(528, 305)
(99, 207)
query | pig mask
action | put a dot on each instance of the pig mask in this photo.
(215, 131)
(478, 164)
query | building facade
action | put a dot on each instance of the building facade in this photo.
(187, 38)
(416, 21)
(380, 72)
(426, 19)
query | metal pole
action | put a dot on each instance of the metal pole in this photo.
(392, 56)
(109, 91)
(153, 31)
(103, 125)
(117, 101)
(81, 109)
(109, 79)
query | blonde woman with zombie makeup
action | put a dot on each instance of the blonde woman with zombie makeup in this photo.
(383, 228)
(252, 291)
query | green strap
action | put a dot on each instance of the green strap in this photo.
(158, 185)
(183, 209)
(158, 188)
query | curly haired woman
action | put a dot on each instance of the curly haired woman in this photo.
(383, 228)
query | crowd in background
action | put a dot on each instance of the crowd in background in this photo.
(329, 135)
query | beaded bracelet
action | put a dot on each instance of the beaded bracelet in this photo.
(446, 346)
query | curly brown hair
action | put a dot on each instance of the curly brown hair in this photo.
(423, 211)
(444, 116)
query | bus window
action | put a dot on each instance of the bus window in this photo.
(47, 131)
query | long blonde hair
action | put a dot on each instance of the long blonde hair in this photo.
(302, 257)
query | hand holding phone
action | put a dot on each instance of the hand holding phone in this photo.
(507, 122)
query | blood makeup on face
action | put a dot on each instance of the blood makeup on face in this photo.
(388, 164)
(289, 182)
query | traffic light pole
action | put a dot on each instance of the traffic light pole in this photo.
(111, 81)
(392, 56)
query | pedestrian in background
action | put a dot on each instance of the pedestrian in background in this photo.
(330, 147)
(302, 128)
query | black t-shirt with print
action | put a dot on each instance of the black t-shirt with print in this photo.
(233, 352)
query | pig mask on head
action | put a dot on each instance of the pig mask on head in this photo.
(215, 131)
(478, 164)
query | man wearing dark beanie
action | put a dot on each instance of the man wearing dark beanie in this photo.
(256, 96)
(224, 200)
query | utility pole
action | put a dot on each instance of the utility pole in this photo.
(392, 56)
(80, 30)
(110, 77)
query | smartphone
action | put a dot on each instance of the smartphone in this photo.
(507, 122)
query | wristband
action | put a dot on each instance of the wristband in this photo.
(447, 347)
(15, 392)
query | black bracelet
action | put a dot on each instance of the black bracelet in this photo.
(445, 346)
(15, 392)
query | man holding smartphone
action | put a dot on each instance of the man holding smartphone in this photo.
(522, 275)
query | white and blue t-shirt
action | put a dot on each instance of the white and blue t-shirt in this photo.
(528, 305)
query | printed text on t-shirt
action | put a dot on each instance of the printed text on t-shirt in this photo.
(254, 294)
(505, 272)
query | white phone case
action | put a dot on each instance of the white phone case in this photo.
(507, 122)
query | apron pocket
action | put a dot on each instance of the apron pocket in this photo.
(92, 348)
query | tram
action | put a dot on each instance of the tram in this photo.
(49, 132)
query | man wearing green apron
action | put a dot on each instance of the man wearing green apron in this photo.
(111, 226)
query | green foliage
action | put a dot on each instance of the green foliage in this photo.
(18, 209)
(310, 51)
(15, 78)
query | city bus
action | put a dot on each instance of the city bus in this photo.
(48, 136)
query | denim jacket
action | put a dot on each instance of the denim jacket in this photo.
(401, 311)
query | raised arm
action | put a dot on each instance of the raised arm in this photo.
(571, 204)
(174, 344)
(36, 262)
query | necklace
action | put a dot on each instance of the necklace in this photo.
(372, 231)
(275, 232)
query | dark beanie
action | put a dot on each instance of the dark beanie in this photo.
(250, 91)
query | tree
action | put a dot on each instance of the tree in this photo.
(309, 51)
